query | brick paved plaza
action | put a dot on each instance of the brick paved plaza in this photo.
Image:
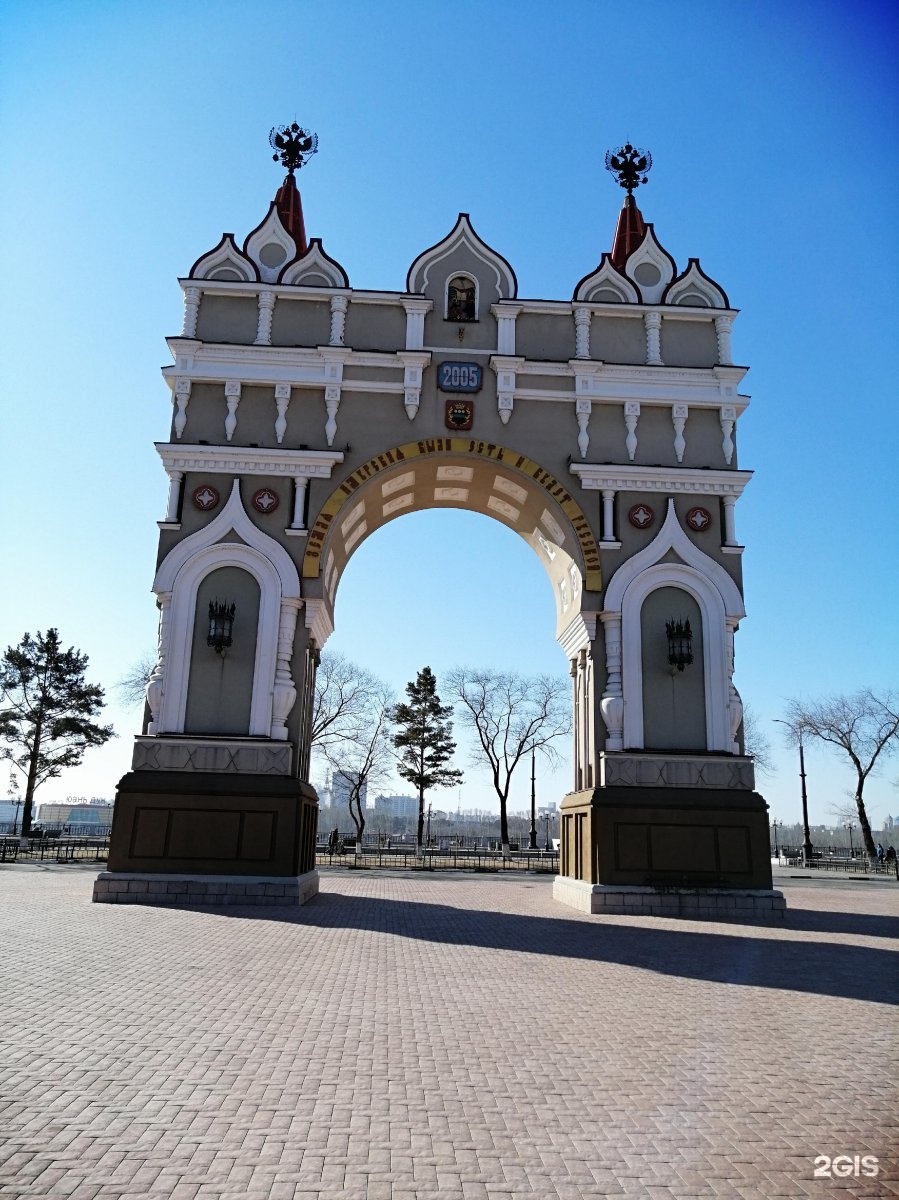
(448, 1037)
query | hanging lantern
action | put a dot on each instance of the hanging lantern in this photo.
(680, 643)
(221, 623)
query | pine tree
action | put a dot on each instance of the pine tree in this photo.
(425, 740)
(47, 709)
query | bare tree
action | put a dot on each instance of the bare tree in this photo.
(363, 754)
(865, 726)
(343, 699)
(756, 742)
(132, 687)
(511, 716)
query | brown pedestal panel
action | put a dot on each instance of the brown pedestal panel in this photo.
(666, 837)
(213, 824)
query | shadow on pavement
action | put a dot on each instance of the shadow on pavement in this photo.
(823, 968)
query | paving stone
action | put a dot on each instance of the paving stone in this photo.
(461, 1038)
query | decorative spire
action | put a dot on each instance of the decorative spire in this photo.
(293, 147)
(631, 164)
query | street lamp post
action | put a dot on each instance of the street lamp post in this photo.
(806, 834)
(15, 822)
(428, 835)
(850, 827)
(776, 847)
(532, 836)
(547, 847)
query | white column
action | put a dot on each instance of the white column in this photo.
(339, 306)
(575, 699)
(299, 501)
(582, 410)
(282, 401)
(631, 417)
(505, 327)
(284, 694)
(232, 399)
(175, 478)
(735, 703)
(332, 404)
(608, 515)
(730, 535)
(191, 312)
(679, 414)
(581, 332)
(182, 397)
(612, 703)
(415, 322)
(653, 323)
(728, 418)
(723, 327)
(266, 308)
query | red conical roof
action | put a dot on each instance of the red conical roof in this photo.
(629, 233)
(290, 210)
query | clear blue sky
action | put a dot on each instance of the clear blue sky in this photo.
(132, 135)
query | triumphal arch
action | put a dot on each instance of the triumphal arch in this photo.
(600, 428)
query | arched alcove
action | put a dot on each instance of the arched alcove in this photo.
(220, 685)
(673, 700)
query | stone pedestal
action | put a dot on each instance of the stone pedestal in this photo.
(681, 850)
(188, 827)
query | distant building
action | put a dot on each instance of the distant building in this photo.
(342, 784)
(402, 807)
(86, 818)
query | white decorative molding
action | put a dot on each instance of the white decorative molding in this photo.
(679, 415)
(191, 311)
(339, 306)
(282, 402)
(249, 460)
(182, 571)
(723, 327)
(225, 263)
(694, 289)
(505, 368)
(578, 634)
(270, 241)
(650, 255)
(582, 410)
(462, 234)
(416, 309)
(608, 514)
(688, 480)
(175, 478)
(319, 621)
(730, 535)
(611, 704)
(315, 270)
(506, 315)
(157, 676)
(653, 323)
(181, 397)
(232, 399)
(414, 364)
(265, 310)
(631, 417)
(284, 693)
(297, 525)
(332, 404)
(728, 420)
(606, 285)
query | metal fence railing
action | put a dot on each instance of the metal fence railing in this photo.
(405, 859)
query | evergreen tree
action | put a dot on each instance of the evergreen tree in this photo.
(425, 740)
(47, 709)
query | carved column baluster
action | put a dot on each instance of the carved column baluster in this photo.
(608, 514)
(730, 534)
(156, 681)
(581, 332)
(299, 501)
(723, 327)
(175, 478)
(612, 704)
(653, 323)
(182, 397)
(735, 703)
(332, 404)
(339, 306)
(575, 760)
(191, 312)
(266, 308)
(728, 418)
(415, 321)
(232, 399)
(505, 327)
(282, 400)
(582, 410)
(284, 693)
(679, 414)
(631, 417)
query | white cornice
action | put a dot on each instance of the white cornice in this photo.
(595, 477)
(579, 634)
(240, 460)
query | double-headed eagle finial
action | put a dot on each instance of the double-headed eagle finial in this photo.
(293, 145)
(631, 164)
